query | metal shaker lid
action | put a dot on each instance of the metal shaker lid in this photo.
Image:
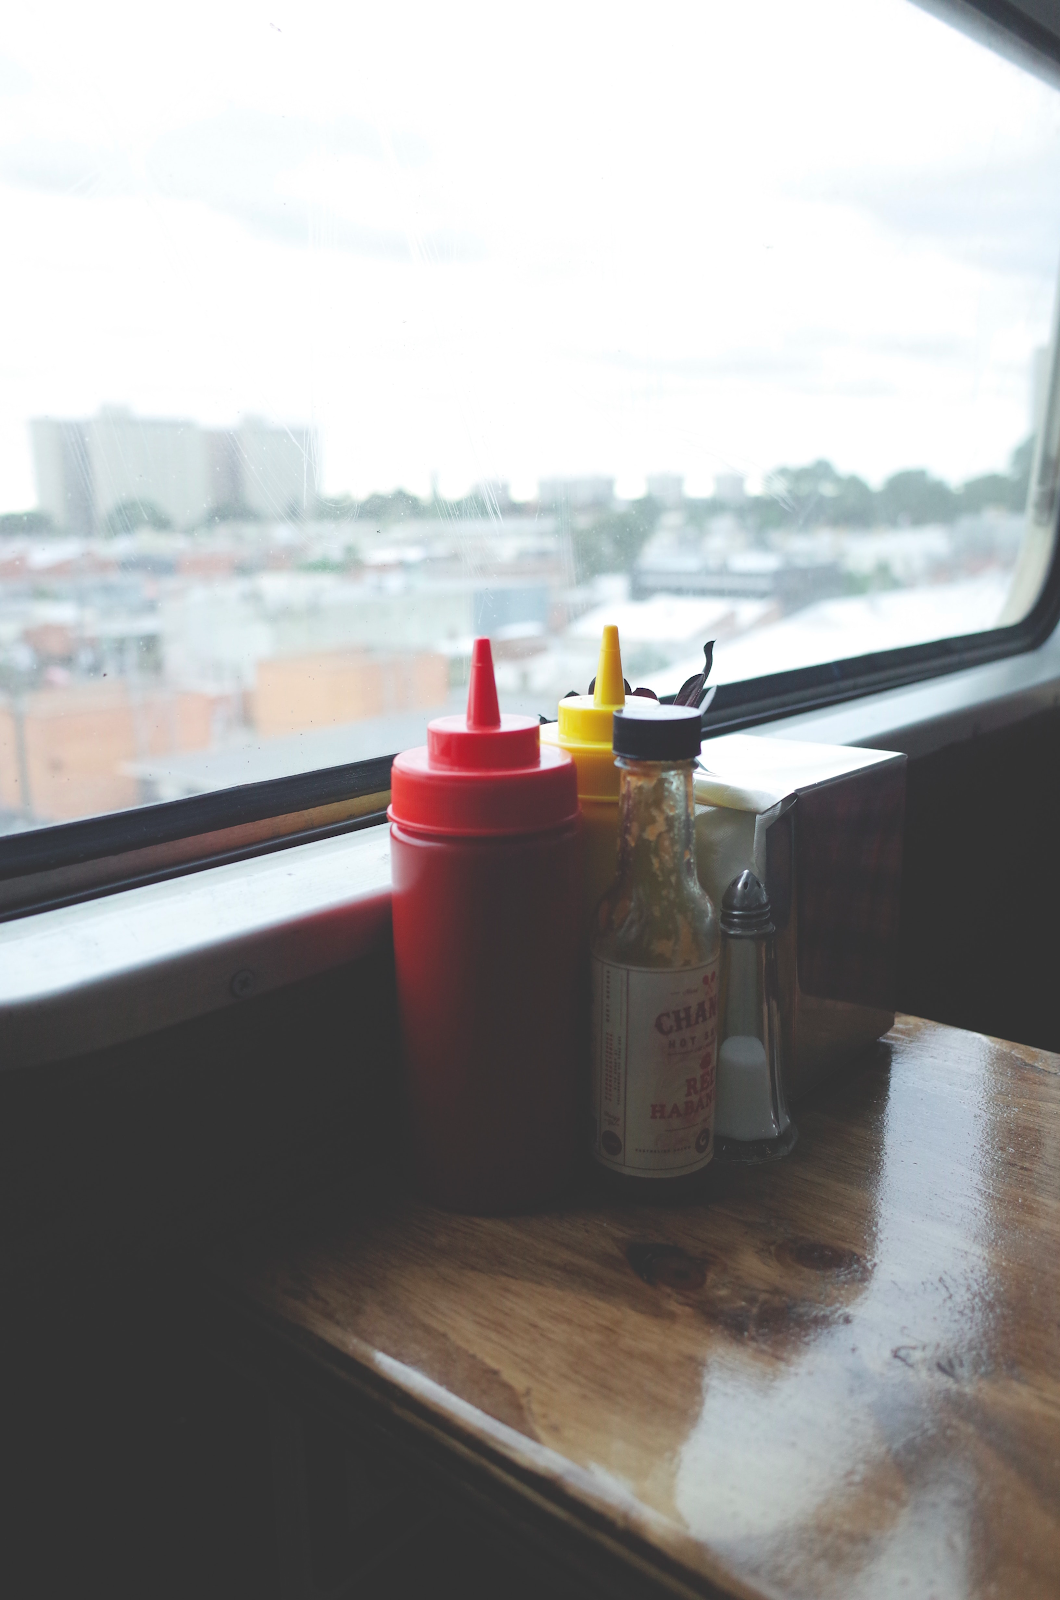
(745, 909)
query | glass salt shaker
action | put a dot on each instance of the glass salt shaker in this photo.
(751, 1121)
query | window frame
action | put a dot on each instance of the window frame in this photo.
(61, 863)
(42, 868)
(1016, 29)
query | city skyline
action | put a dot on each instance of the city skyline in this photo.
(117, 471)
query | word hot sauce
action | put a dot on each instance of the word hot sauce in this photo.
(485, 842)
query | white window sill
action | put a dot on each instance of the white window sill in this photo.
(82, 977)
(86, 976)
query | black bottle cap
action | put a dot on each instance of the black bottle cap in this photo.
(745, 909)
(646, 731)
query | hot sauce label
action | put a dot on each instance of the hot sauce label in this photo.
(654, 1063)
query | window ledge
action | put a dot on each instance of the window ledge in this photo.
(82, 977)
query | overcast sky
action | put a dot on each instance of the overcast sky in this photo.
(504, 242)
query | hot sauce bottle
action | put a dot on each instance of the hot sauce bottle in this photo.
(485, 845)
(654, 957)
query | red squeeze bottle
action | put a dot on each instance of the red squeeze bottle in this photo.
(485, 852)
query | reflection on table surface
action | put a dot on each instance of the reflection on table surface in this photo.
(834, 1377)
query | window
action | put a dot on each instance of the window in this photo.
(336, 335)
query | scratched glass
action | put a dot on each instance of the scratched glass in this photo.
(337, 335)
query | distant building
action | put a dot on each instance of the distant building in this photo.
(63, 752)
(578, 494)
(91, 474)
(330, 687)
(277, 467)
(729, 488)
(146, 461)
(1039, 386)
(668, 488)
(492, 493)
(507, 606)
(224, 468)
(64, 474)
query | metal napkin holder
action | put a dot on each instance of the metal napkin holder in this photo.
(822, 827)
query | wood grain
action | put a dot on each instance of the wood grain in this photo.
(836, 1377)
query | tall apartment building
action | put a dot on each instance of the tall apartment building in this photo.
(88, 470)
(668, 488)
(730, 487)
(579, 494)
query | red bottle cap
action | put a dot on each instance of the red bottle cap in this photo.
(483, 773)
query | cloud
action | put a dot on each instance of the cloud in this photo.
(812, 361)
(1005, 216)
(749, 362)
(13, 78)
(64, 167)
(300, 181)
(334, 185)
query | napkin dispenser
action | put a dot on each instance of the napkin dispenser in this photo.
(821, 826)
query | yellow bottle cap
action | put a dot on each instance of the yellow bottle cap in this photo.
(586, 719)
(584, 726)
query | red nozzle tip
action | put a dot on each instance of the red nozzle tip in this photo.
(482, 708)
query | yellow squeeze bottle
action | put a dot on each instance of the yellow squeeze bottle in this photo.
(584, 730)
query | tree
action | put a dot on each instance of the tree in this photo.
(26, 522)
(993, 489)
(1020, 464)
(612, 540)
(915, 497)
(398, 506)
(818, 495)
(335, 508)
(814, 496)
(128, 515)
(230, 511)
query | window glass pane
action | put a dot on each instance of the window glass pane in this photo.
(336, 334)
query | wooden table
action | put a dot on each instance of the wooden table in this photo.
(839, 1376)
